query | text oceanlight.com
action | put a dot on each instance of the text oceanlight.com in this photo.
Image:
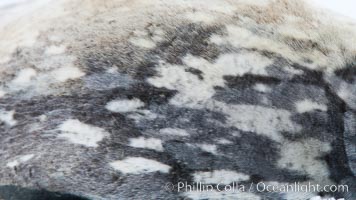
(257, 187)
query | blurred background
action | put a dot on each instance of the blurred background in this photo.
(344, 7)
(12, 9)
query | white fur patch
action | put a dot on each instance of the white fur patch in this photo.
(275, 37)
(80, 133)
(259, 119)
(211, 148)
(24, 76)
(308, 105)
(303, 156)
(200, 17)
(22, 15)
(347, 92)
(196, 93)
(139, 115)
(55, 50)
(43, 118)
(67, 73)
(124, 106)
(223, 141)
(192, 90)
(143, 42)
(174, 131)
(21, 159)
(242, 37)
(262, 88)
(2, 93)
(139, 165)
(147, 143)
(219, 176)
(8, 117)
(257, 2)
(293, 70)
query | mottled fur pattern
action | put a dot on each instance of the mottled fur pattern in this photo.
(116, 99)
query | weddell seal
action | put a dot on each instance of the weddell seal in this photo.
(178, 99)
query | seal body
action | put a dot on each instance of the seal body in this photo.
(178, 100)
